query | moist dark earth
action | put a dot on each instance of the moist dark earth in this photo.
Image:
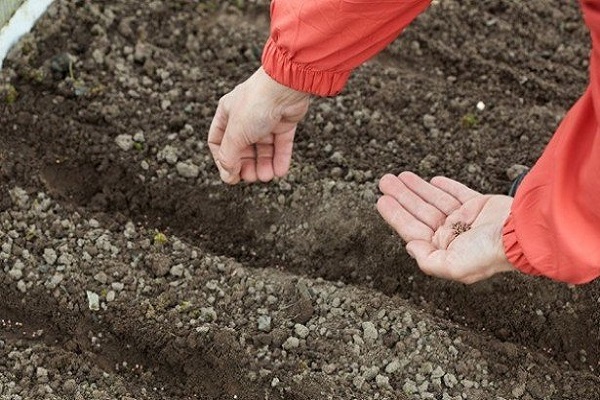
(131, 272)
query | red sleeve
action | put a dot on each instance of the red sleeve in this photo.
(315, 44)
(554, 226)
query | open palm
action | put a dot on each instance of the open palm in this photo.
(452, 231)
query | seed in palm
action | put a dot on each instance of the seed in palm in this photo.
(460, 227)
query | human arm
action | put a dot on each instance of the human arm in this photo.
(312, 49)
(554, 225)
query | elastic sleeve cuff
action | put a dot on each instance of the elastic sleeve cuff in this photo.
(278, 65)
(513, 250)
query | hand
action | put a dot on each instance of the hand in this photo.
(453, 232)
(252, 133)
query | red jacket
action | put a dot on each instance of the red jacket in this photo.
(554, 225)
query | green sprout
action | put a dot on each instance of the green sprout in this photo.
(11, 94)
(469, 121)
(160, 238)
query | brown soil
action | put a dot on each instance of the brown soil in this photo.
(160, 69)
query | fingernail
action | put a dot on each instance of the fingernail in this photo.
(225, 176)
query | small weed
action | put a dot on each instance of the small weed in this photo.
(138, 146)
(10, 94)
(469, 121)
(159, 238)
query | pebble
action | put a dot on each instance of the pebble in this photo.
(110, 296)
(429, 121)
(168, 154)
(187, 169)
(50, 256)
(16, 274)
(93, 300)
(383, 382)
(370, 333)
(371, 373)
(291, 343)
(101, 277)
(392, 367)
(301, 331)
(177, 270)
(358, 381)
(125, 142)
(264, 323)
(139, 137)
(70, 386)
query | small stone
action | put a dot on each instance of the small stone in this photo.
(519, 390)
(118, 286)
(371, 373)
(168, 154)
(264, 323)
(110, 296)
(301, 331)
(450, 380)
(70, 386)
(437, 373)
(275, 382)
(188, 169)
(429, 121)
(392, 367)
(481, 106)
(329, 368)
(50, 256)
(101, 277)
(22, 286)
(177, 270)
(370, 333)
(383, 382)
(139, 137)
(291, 343)
(16, 274)
(125, 142)
(93, 300)
(410, 387)
(358, 381)
(41, 372)
(208, 314)
(159, 264)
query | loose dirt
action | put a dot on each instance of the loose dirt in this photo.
(131, 272)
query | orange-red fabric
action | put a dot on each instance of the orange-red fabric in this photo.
(554, 226)
(315, 44)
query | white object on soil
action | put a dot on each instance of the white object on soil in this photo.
(21, 23)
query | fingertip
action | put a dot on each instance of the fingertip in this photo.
(407, 175)
(386, 181)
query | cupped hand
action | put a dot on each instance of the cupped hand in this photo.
(453, 232)
(252, 133)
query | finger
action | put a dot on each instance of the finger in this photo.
(248, 170)
(215, 138)
(419, 208)
(428, 257)
(430, 193)
(264, 161)
(454, 188)
(282, 152)
(408, 227)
